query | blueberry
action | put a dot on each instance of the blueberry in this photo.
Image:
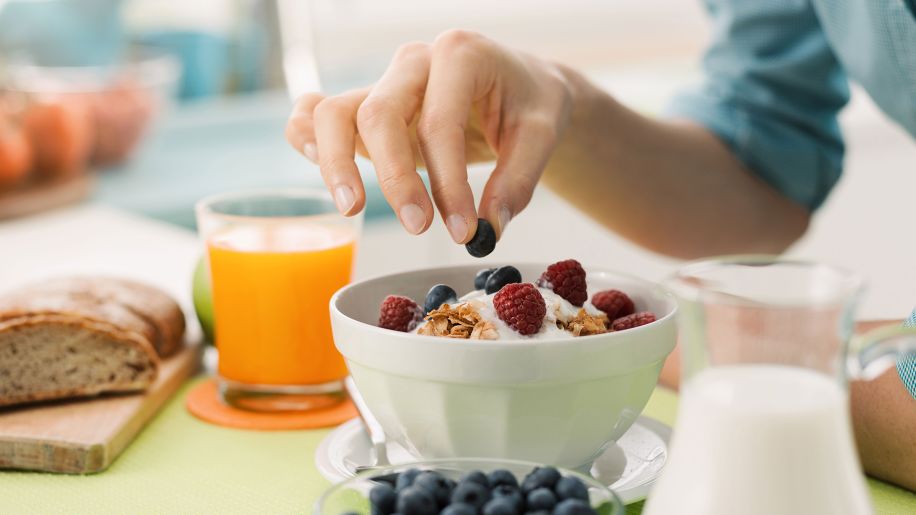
(571, 488)
(480, 280)
(502, 477)
(459, 508)
(406, 479)
(383, 499)
(502, 276)
(476, 476)
(416, 501)
(574, 507)
(500, 506)
(509, 492)
(484, 240)
(540, 477)
(439, 295)
(435, 484)
(390, 479)
(541, 499)
(472, 493)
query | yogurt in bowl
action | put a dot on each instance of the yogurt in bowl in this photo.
(549, 398)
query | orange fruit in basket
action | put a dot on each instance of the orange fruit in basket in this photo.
(15, 153)
(120, 115)
(60, 131)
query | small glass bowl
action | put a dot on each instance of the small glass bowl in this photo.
(352, 495)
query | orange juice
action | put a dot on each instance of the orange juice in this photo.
(271, 288)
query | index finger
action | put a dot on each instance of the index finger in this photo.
(459, 75)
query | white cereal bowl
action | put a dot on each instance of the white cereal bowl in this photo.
(559, 401)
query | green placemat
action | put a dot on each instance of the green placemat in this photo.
(181, 465)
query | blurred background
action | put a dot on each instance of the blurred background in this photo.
(148, 105)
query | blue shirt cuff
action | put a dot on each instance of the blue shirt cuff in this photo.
(906, 366)
(802, 166)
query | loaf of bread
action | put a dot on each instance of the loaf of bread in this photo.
(82, 336)
(128, 304)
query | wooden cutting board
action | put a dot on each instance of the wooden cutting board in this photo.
(35, 198)
(85, 436)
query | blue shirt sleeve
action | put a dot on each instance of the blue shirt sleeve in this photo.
(906, 366)
(772, 91)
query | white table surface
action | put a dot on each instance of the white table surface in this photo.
(92, 239)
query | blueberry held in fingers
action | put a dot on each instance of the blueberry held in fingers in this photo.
(484, 240)
(500, 277)
(438, 295)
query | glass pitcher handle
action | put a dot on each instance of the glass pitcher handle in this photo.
(872, 353)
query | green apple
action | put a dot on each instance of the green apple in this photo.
(203, 298)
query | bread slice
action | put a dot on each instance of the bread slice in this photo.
(131, 305)
(57, 356)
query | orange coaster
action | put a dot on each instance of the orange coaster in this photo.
(204, 403)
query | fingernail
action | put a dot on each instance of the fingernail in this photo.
(504, 216)
(412, 218)
(457, 227)
(344, 198)
(311, 152)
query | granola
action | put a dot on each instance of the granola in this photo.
(584, 324)
(460, 321)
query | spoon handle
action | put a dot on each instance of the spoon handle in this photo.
(376, 433)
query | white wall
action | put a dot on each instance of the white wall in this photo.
(354, 39)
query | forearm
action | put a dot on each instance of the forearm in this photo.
(884, 419)
(671, 187)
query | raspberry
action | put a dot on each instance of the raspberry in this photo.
(521, 306)
(614, 303)
(631, 321)
(566, 279)
(399, 313)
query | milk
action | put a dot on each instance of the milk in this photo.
(761, 439)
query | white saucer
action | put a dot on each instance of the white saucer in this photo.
(630, 467)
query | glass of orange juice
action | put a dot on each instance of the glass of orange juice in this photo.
(275, 259)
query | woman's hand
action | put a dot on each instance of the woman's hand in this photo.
(459, 100)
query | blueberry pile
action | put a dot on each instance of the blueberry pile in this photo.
(543, 492)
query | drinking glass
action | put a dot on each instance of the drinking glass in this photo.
(763, 425)
(275, 258)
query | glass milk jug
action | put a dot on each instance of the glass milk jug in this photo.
(763, 425)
